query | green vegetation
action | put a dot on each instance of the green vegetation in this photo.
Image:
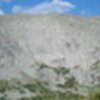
(3, 86)
(37, 86)
(24, 98)
(61, 70)
(58, 70)
(70, 83)
(4, 97)
(42, 66)
(94, 92)
(62, 96)
(44, 92)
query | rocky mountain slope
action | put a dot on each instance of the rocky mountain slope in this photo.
(53, 49)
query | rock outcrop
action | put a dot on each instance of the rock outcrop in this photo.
(45, 47)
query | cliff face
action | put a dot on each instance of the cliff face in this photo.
(43, 47)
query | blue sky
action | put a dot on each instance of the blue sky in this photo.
(74, 7)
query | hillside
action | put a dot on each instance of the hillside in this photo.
(51, 49)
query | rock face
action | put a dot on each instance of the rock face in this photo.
(50, 41)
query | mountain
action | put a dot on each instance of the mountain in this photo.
(52, 49)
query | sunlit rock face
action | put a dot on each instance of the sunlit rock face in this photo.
(55, 41)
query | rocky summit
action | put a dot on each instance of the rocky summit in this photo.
(52, 53)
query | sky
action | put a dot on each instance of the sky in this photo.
(74, 7)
